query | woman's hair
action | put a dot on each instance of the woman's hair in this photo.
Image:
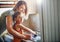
(19, 4)
(15, 15)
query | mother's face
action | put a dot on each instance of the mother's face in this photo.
(22, 8)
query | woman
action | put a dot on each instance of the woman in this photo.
(19, 7)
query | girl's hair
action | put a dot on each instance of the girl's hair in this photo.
(15, 15)
(19, 4)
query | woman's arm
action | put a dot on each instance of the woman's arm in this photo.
(11, 30)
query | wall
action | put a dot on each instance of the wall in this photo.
(31, 4)
(35, 22)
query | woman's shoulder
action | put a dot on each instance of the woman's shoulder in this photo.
(8, 12)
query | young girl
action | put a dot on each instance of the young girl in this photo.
(17, 19)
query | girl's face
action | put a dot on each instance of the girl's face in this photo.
(22, 8)
(18, 19)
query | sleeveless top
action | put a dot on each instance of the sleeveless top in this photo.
(3, 23)
(3, 16)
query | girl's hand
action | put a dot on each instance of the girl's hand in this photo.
(28, 37)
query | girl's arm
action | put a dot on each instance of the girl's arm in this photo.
(26, 29)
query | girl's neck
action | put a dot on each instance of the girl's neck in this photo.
(17, 23)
